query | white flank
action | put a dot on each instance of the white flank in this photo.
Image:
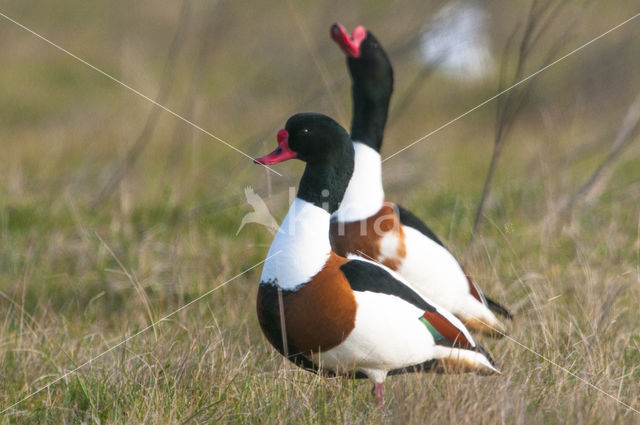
(437, 275)
(388, 335)
(441, 309)
(303, 246)
(364, 195)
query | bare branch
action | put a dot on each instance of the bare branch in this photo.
(540, 18)
(595, 183)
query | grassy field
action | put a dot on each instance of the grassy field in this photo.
(82, 269)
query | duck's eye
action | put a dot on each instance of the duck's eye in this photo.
(304, 131)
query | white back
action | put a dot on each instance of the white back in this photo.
(300, 248)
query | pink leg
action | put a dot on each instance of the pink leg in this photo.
(377, 391)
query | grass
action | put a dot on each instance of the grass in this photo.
(76, 280)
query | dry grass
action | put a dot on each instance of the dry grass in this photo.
(76, 280)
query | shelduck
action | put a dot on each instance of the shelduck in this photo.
(346, 315)
(368, 224)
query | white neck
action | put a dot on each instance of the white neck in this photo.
(364, 195)
(301, 246)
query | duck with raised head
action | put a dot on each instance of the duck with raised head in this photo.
(346, 315)
(368, 224)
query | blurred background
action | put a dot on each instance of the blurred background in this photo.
(114, 212)
(240, 71)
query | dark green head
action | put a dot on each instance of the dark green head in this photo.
(326, 148)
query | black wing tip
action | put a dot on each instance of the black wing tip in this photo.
(498, 309)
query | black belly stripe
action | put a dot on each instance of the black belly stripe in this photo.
(269, 319)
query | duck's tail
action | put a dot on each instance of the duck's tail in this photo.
(498, 309)
(478, 360)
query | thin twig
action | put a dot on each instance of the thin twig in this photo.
(594, 184)
(539, 19)
(214, 26)
(411, 91)
(165, 87)
(320, 65)
(283, 324)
